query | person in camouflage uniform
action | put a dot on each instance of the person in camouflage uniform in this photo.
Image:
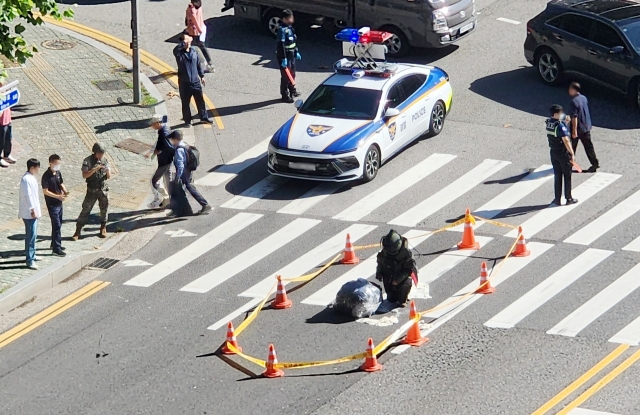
(95, 170)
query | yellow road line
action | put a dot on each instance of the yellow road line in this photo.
(582, 380)
(601, 383)
(145, 57)
(49, 313)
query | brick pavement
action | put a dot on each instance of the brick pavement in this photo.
(63, 111)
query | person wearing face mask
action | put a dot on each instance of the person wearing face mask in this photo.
(55, 193)
(561, 153)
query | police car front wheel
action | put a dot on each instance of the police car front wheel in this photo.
(437, 119)
(371, 164)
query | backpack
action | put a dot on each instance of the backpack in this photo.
(193, 158)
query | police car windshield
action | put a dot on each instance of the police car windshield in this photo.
(632, 31)
(343, 102)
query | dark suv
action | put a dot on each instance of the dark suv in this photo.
(598, 40)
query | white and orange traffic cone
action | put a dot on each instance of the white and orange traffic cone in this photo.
(485, 284)
(349, 256)
(231, 340)
(281, 301)
(414, 337)
(371, 361)
(468, 236)
(272, 360)
(521, 245)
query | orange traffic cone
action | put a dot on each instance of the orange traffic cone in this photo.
(468, 237)
(349, 254)
(371, 361)
(521, 246)
(231, 340)
(281, 300)
(485, 284)
(271, 371)
(414, 337)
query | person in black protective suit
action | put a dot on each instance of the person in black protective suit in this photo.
(396, 267)
(287, 54)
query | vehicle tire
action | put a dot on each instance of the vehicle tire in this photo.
(371, 164)
(436, 123)
(549, 67)
(271, 21)
(398, 45)
(634, 92)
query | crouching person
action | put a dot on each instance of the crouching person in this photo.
(396, 268)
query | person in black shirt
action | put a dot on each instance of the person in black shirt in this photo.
(581, 125)
(55, 193)
(164, 151)
(190, 80)
(561, 152)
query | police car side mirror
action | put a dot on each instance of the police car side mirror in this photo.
(298, 103)
(391, 112)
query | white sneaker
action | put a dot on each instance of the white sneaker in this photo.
(3, 163)
(154, 204)
(10, 160)
(32, 266)
(35, 258)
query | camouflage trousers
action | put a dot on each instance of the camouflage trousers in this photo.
(102, 197)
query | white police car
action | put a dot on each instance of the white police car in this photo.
(360, 116)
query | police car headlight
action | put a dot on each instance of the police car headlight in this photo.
(348, 163)
(439, 21)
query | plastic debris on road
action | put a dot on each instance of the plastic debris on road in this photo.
(358, 299)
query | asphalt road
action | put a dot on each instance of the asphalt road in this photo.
(153, 342)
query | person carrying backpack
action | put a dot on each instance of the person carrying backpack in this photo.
(186, 160)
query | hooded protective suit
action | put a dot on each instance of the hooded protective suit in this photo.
(396, 267)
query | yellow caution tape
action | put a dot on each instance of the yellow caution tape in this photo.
(258, 362)
(496, 223)
(254, 313)
(302, 365)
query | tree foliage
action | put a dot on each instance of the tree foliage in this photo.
(12, 44)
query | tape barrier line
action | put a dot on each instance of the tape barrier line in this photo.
(496, 223)
(255, 312)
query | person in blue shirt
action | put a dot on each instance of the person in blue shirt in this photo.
(581, 125)
(183, 174)
(287, 54)
(561, 152)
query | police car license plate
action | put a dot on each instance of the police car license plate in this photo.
(464, 29)
(302, 166)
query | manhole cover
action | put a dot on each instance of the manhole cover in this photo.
(103, 263)
(58, 44)
(134, 146)
(110, 85)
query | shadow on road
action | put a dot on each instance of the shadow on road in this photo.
(91, 2)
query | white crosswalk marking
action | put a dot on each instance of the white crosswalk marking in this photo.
(235, 166)
(229, 317)
(250, 256)
(311, 198)
(582, 411)
(590, 311)
(607, 221)
(365, 269)
(633, 246)
(396, 186)
(548, 216)
(628, 335)
(447, 261)
(194, 250)
(547, 289)
(512, 195)
(450, 193)
(255, 193)
(453, 305)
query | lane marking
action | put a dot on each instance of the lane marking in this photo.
(629, 335)
(251, 256)
(541, 220)
(311, 198)
(601, 383)
(180, 233)
(512, 195)
(599, 304)
(633, 246)
(383, 194)
(607, 221)
(576, 384)
(231, 169)
(582, 411)
(51, 312)
(548, 289)
(505, 20)
(135, 263)
(255, 192)
(196, 249)
(431, 205)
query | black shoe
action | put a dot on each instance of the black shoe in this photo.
(206, 120)
(295, 94)
(592, 169)
(59, 253)
(188, 124)
(287, 99)
(62, 248)
(572, 201)
(555, 202)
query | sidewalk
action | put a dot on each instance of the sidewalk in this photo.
(62, 110)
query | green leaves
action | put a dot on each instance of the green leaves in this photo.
(12, 44)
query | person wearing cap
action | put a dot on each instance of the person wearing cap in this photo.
(96, 172)
(164, 151)
(396, 268)
(561, 153)
(287, 54)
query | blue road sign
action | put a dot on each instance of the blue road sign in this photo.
(10, 99)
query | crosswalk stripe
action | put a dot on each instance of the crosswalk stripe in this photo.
(231, 169)
(633, 245)
(194, 250)
(548, 216)
(512, 195)
(229, 317)
(396, 186)
(365, 269)
(452, 306)
(311, 198)
(628, 335)
(590, 311)
(431, 205)
(250, 256)
(447, 261)
(607, 221)
(255, 193)
(548, 289)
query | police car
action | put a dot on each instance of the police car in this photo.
(360, 116)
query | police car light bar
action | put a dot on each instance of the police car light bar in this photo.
(364, 35)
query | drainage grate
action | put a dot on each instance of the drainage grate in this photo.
(103, 263)
(134, 146)
(58, 44)
(110, 85)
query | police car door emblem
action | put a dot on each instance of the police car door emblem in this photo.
(463, 14)
(392, 130)
(316, 130)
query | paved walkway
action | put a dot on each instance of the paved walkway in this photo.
(62, 110)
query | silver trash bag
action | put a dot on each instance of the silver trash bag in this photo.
(358, 299)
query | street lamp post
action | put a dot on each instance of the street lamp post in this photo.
(136, 52)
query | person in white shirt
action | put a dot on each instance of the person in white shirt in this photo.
(29, 210)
